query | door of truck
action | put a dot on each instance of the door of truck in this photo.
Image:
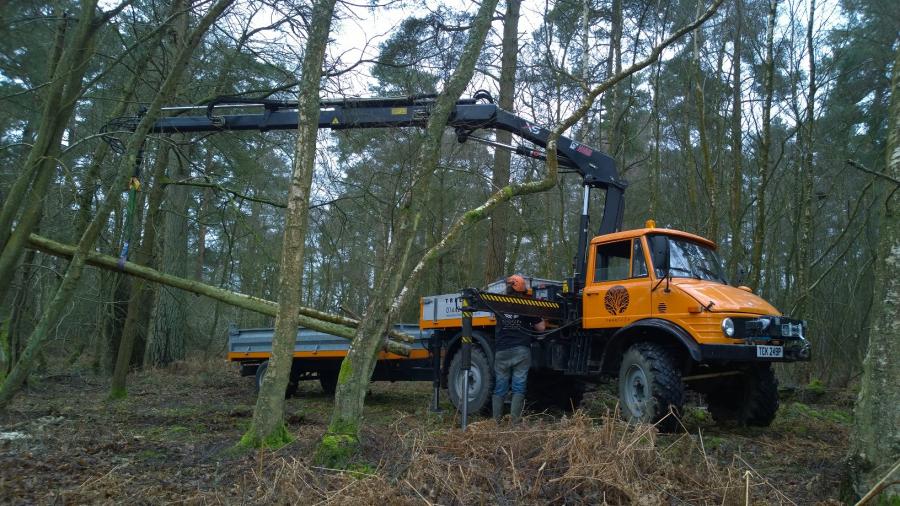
(617, 289)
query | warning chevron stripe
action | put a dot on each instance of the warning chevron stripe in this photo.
(512, 300)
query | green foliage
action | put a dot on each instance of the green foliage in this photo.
(336, 450)
(796, 410)
(117, 394)
(338, 445)
(252, 439)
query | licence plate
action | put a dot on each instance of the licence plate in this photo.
(770, 351)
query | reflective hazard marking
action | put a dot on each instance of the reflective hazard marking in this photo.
(527, 302)
(335, 121)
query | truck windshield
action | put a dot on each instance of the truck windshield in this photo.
(688, 259)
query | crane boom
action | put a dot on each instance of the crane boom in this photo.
(597, 169)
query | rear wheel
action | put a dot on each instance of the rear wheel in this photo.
(481, 382)
(650, 386)
(261, 373)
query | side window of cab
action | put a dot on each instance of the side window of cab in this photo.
(612, 261)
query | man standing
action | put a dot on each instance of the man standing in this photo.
(512, 353)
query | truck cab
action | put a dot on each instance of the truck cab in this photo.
(663, 275)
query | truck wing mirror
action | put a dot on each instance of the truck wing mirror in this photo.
(659, 253)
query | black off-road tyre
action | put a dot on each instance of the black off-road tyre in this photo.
(261, 373)
(749, 399)
(553, 393)
(760, 397)
(650, 386)
(328, 381)
(481, 382)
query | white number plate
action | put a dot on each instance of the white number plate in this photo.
(770, 351)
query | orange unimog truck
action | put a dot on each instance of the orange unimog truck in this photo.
(650, 306)
(655, 311)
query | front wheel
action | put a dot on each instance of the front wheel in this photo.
(481, 382)
(650, 386)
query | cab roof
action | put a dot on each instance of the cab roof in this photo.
(631, 234)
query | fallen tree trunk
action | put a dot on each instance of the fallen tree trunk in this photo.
(309, 318)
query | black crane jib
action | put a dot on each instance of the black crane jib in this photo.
(597, 169)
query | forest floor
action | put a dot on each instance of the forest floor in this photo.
(172, 440)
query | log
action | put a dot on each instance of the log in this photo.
(309, 318)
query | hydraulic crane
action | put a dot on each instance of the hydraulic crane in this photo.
(469, 115)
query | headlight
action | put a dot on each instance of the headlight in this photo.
(728, 327)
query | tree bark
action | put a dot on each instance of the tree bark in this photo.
(267, 428)
(709, 176)
(735, 210)
(759, 232)
(875, 442)
(805, 239)
(169, 328)
(498, 230)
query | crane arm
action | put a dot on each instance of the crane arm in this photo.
(596, 168)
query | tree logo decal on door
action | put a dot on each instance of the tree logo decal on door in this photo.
(616, 300)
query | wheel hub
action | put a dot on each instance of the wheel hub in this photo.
(474, 382)
(636, 390)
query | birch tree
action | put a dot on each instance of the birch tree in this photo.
(267, 428)
(876, 427)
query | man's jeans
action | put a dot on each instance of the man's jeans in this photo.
(512, 362)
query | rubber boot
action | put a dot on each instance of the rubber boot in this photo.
(518, 405)
(497, 405)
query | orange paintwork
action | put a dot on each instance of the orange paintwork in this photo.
(684, 304)
(478, 321)
(413, 355)
(682, 301)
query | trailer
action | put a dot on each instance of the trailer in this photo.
(317, 356)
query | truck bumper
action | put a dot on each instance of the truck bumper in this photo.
(795, 350)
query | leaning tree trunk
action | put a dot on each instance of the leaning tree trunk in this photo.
(876, 427)
(267, 428)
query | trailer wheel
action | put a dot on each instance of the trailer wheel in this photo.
(650, 386)
(749, 399)
(261, 373)
(481, 382)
